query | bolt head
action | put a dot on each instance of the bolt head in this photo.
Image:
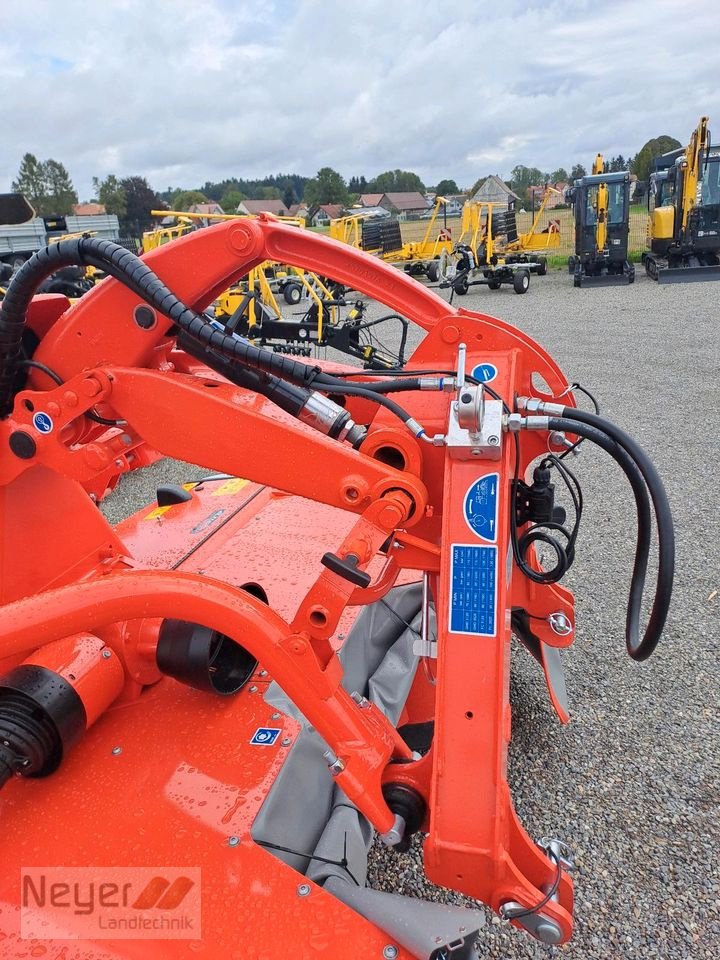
(116, 751)
(303, 890)
(275, 716)
(252, 689)
(286, 741)
(233, 841)
(106, 654)
(390, 952)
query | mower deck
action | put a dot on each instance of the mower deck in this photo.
(189, 801)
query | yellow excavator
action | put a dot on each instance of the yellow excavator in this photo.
(602, 228)
(684, 224)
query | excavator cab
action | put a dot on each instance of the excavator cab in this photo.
(602, 217)
(684, 224)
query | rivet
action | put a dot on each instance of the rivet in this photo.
(303, 890)
(276, 716)
(233, 841)
(252, 689)
(286, 741)
(116, 751)
(106, 654)
(390, 952)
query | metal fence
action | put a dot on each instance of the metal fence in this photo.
(414, 230)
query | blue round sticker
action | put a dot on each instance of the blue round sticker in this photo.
(481, 507)
(43, 422)
(484, 372)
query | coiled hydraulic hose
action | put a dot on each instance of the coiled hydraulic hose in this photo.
(624, 448)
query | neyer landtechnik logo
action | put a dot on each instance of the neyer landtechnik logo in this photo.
(119, 903)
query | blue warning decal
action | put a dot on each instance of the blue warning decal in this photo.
(484, 372)
(43, 422)
(481, 507)
(265, 736)
(473, 590)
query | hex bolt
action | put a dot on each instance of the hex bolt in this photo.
(560, 624)
(334, 762)
(116, 751)
(233, 841)
(303, 890)
(390, 952)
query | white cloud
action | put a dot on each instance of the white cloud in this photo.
(184, 91)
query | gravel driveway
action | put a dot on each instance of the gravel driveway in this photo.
(632, 784)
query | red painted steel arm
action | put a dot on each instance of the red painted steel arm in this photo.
(364, 738)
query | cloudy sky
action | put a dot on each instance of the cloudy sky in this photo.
(183, 91)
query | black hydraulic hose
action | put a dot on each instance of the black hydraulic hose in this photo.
(133, 273)
(623, 449)
(138, 277)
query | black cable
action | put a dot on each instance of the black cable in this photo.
(521, 914)
(596, 405)
(343, 864)
(565, 555)
(57, 379)
(626, 451)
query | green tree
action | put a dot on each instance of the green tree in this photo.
(396, 181)
(111, 194)
(559, 176)
(31, 182)
(268, 193)
(357, 185)
(447, 187)
(617, 164)
(47, 185)
(288, 196)
(61, 194)
(231, 200)
(641, 164)
(326, 187)
(188, 198)
(140, 199)
(577, 172)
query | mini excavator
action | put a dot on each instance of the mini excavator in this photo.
(602, 227)
(684, 225)
(208, 711)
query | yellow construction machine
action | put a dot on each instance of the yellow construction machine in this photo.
(492, 253)
(684, 224)
(602, 227)
(384, 239)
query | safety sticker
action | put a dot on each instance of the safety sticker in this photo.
(473, 589)
(265, 736)
(161, 511)
(232, 485)
(481, 507)
(43, 422)
(484, 372)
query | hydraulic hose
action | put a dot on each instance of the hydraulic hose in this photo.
(138, 277)
(133, 273)
(639, 471)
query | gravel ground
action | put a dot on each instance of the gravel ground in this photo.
(632, 784)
